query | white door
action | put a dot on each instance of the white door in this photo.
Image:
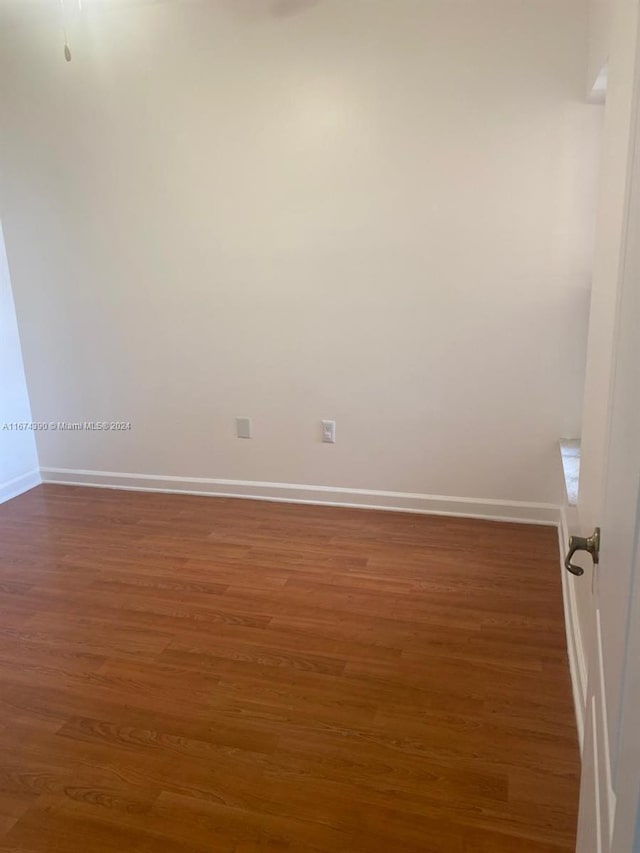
(609, 820)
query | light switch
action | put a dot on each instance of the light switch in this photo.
(243, 427)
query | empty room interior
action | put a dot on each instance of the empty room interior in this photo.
(319, 426)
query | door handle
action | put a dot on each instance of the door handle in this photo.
(590, 544)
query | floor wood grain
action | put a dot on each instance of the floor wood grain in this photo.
(184, 674)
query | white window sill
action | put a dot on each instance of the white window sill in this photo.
(570, 451)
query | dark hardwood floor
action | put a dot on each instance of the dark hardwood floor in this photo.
(185, 674)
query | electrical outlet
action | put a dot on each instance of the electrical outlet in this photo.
(243, 427)
(329, 432)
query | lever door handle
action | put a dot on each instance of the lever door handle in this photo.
(590, 544)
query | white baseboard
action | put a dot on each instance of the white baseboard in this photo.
(15, 487)
(575, 645)
(493, 510)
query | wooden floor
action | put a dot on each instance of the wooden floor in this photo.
(184, 674)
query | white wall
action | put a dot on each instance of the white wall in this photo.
(379, 212)
(18, 456)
